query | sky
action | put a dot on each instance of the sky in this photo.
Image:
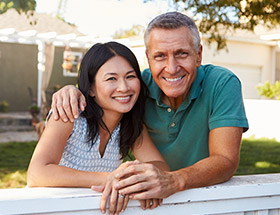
(103, 18)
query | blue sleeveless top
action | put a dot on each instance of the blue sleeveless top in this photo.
(80, 154)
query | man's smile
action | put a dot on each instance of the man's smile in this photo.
(173, 79)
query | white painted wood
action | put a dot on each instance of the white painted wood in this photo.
(242, 195)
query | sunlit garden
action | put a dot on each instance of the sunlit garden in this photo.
(258, 156)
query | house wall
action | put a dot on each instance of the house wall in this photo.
(57, 77)
(251, 62)
(18, 72)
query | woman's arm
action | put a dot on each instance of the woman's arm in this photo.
(144, 150)
(44, 169)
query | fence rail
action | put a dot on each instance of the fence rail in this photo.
(251, 194)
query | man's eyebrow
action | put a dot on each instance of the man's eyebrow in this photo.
(180, 50)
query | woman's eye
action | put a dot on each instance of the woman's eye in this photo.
(111, 79)
(131, 76)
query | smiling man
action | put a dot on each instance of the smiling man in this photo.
(194, 113)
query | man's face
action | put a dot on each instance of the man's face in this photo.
(173, 60)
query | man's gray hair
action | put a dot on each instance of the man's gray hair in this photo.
(173, 20)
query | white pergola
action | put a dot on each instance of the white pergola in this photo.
(49, 40)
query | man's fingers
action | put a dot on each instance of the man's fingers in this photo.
(68, 110)
(135, 188)
(155, 203)
(132, 168)
(133, 182)
(55, 113)
(61, 112)
(143, 204)
(54, 108)
(82, 102)
(143, 195)
(74, 107)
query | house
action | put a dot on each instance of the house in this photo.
(20, 56)
(253, 57)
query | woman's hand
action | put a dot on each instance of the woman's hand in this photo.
(117, 203)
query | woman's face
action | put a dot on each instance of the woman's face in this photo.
(116, 86)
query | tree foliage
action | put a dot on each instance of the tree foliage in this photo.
(215, 17)
(134, 31)
(271, 91)
(26, 6)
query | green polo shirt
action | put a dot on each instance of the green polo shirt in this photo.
(214, 100)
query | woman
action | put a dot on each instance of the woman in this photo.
(89, 151)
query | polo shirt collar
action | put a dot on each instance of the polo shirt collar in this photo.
(197, 84)
(156, 92)
(194, 91)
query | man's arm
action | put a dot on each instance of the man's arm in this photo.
(66, 103)
(220, 166)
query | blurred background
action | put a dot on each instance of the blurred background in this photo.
(43, 42)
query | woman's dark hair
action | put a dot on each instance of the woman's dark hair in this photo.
(131, 122)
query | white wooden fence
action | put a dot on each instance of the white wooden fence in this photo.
(250, 195)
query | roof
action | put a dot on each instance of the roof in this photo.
(44, 23)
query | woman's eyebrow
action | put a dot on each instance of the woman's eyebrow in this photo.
(131, 71)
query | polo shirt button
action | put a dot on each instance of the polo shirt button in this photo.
(173, 124)
(169, 110)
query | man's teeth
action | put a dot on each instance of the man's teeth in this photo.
(173, 79)
(122, 98)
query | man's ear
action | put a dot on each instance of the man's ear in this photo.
(147, 54)
(199, 56)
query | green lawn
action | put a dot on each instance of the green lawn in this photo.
(258, 156)
(14, 160)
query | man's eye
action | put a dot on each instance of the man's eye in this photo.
(182, 54)
(159, 57)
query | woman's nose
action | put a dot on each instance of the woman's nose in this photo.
(122, 86)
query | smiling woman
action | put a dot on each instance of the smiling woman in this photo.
(89, 151)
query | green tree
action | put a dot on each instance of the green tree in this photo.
(134, 31)
(215, 17)
(26, 6)
(271, 91)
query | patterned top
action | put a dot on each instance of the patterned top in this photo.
(80, 154)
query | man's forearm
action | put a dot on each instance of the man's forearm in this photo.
(206, 172)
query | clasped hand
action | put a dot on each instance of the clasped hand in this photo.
(117, 201)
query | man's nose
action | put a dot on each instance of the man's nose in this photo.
(171, 65)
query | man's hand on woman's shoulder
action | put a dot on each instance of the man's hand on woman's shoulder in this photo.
(66, 103)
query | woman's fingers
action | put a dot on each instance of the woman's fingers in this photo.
(120, 203)
(126, 200)
(113, 201)
(104, 198)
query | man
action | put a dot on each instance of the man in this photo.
(194, 113)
